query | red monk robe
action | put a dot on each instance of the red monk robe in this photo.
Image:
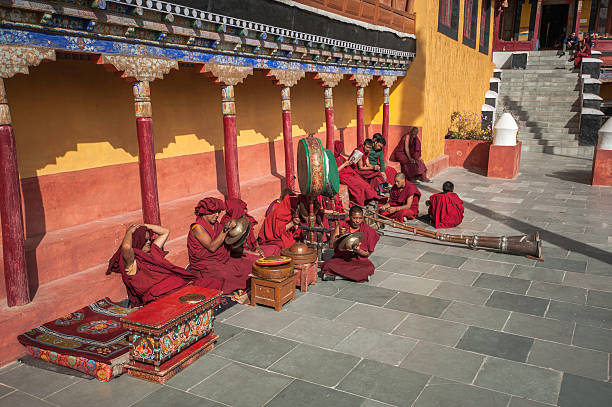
(151, 276)
(408, 153)
(231, 271)
(371, 176)
(280, 227)
(351, 265)
(445, 210)
(237, 208)
(584, 51)
(359, 190)
(398, 196)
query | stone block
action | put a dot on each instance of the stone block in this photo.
(504, 161)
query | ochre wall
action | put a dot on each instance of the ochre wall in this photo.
(445, 76)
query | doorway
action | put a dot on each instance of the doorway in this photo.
(553, 25)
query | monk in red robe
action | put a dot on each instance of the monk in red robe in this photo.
(236, 209)
(281, 226)
(209, 256)
(408, 153)
(445, 209)
(584, 51)
(403, 200)
(377, 157)
(370, 173)
(146, 273)
(359, 191)
(352, 265)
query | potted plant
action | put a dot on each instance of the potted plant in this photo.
(467, 144)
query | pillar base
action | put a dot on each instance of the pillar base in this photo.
(602, 168)
(504, 161)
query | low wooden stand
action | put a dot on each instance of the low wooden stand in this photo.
(273, 293)
(306, 274)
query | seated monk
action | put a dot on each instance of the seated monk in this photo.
(445, 209)
(370, 173)
(352, 265)
(377, 157)
(403, 200)
(209, 256)
(408, 153)
(235, 209)
(146, 273)
(359, 191)
(281, 226)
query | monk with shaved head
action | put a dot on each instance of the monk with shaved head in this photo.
(403, 200)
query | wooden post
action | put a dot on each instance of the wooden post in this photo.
(385, 120)
(360, 123)
(13, 238)
(146, 153)
(578, 15)
(288, 137)
(536, 28)
(329, 117)
(230, 140)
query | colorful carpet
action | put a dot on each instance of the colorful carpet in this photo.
(89, 340)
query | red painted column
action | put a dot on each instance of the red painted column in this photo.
(11, 216)
(385, 120)
(536, 28)
(288, 137)
(578, 15)
(230, 142)
(360, 123)
(329, 117)
(146, 153)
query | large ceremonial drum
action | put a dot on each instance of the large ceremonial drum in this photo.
(332, 179)
(311, 166)
(273, 267)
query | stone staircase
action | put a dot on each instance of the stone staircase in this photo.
(546, 98)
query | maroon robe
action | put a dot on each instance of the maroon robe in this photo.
(349, 264)
(237, 208)
(445, 210)
(155, 275)
(273, 231)
(399, 197)
(359, 190)
(231, 271)
(372, 177)
(584, 52)
(413, 169)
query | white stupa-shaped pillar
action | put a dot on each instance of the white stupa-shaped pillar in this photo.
(505, 130)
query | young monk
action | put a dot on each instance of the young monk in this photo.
(445, 209)
(352, 265)
(377, 157)
(146, 273)
(370, 173)
(359, 190)
(209, 256)
(408, 153)
(403, 200)
(235, 209)
(584, 51)
(281, 225)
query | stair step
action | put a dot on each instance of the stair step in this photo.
(580, 151)
(549, 142)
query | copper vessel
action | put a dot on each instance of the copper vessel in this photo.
(300, 253)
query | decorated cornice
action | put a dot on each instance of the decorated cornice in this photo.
(387, 80)
(226, 74)
(361, 81)
(284, 77)
(138, 68)
(17, 59)
(329, 80)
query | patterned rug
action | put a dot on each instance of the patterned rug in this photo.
(89, 340)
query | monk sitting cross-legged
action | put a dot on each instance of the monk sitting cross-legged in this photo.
(445, 209)
(359, 190)
(352, 265)
(403, 200)
(209, 256)
(146, 273)
(370, 173)
(281, 225)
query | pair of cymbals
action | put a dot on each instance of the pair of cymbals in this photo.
(348, 241)
(239, 233)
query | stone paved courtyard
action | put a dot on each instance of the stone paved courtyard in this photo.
(436, 326)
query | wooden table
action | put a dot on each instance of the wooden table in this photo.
(273, 293)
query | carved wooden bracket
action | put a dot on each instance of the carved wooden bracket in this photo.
(138, 68)
(226, 75)
(15, 59)
(361, 81)
(329, 80)
(5, 113)
(284, 77)
(387, 81)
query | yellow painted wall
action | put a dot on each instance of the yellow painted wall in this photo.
(445, 76)
(72, 115)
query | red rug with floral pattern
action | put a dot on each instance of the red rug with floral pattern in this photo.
(89, 340)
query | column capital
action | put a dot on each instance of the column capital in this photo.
(142, 69)
(387, 80)
(226, 75)
(361, 81)
(15, 59)
(285, 77)
(328, 80)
